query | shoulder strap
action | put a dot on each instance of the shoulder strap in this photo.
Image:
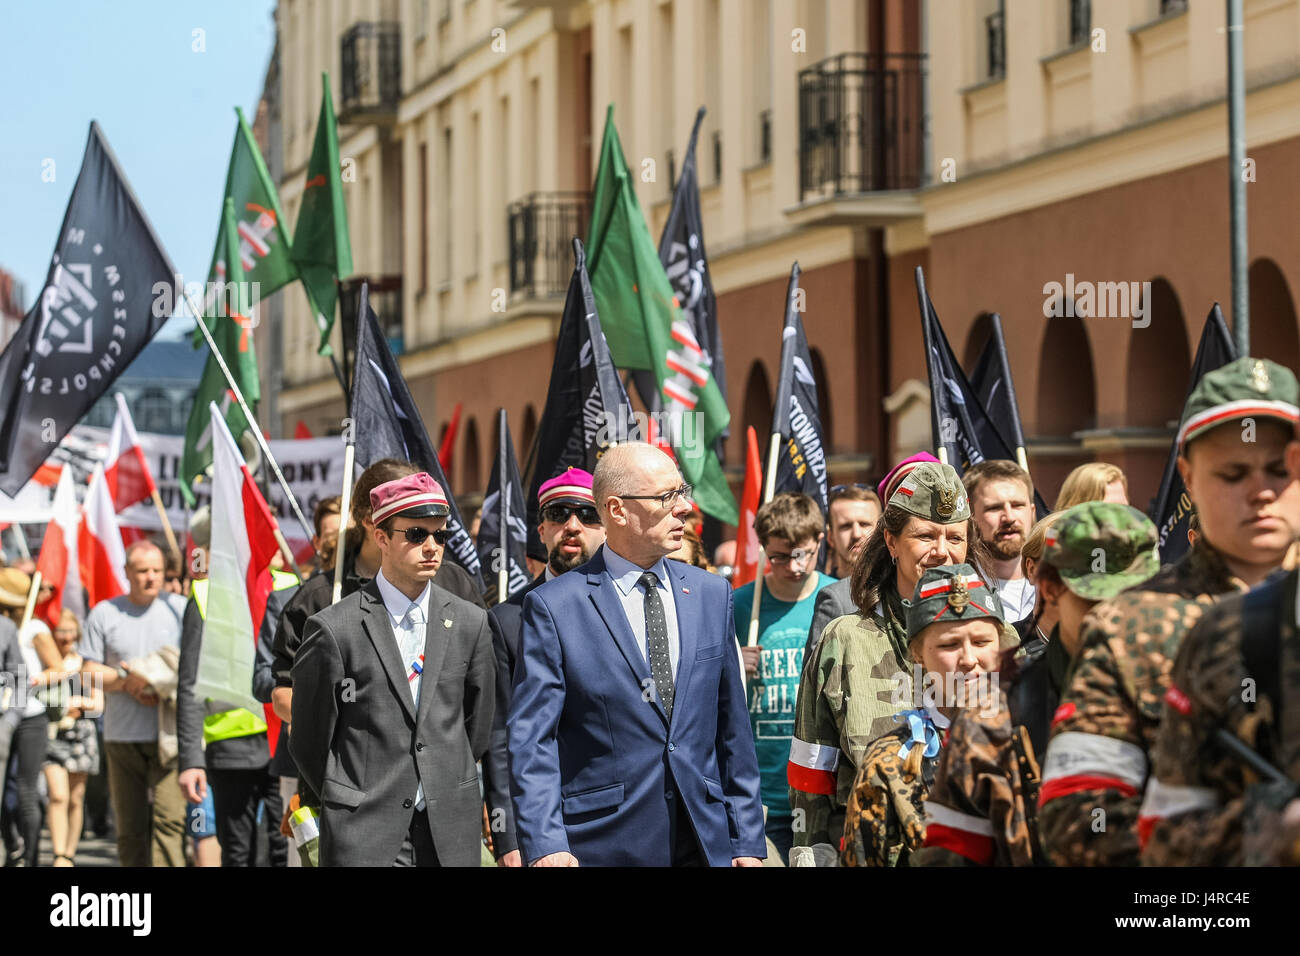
(1261, 637)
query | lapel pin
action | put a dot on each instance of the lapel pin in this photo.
(446, 622)
(686, 590)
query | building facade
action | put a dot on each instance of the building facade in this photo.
(1002, 146)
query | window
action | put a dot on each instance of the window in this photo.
(1080, 21)
(995, 43)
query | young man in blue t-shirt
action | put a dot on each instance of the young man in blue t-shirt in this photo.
(790, 529)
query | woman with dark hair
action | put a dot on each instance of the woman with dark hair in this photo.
(860, 673)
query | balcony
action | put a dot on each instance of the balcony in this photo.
(540, 233)
(861, 139)
(372, 73)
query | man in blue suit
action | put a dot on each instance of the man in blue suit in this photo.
(629, 734)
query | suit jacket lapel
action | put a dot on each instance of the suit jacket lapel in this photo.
(688, 612)
(436, 638)
(606, 597)
(379, 628)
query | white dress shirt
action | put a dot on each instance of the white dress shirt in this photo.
(626, 576)
(410, 633)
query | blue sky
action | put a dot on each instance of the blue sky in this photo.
(167, 110)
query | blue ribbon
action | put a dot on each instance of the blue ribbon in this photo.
(924, 731)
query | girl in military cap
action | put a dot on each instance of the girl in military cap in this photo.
(956, 632)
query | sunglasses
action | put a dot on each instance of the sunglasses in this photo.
(417, 535)
(560, 514)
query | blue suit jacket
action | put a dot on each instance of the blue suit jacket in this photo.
(594, 765)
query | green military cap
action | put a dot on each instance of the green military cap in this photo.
(1245, 388)
(1100, 548)
(933, 490)
(956, 592)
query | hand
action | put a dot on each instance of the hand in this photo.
(147, 697)
(557, 859)
(746, 861)
(194, 784)
(751, 655)
(512, 859)
(133, 683)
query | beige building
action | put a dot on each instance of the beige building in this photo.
(1002, 146)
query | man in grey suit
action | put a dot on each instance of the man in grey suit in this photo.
(853, 513)
(393, 698)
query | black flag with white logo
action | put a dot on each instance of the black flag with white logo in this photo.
(586, 407)
(994, 387)
(503, 530)
(801, 460)
(94, 315)
(1173, 509)
(387, 424)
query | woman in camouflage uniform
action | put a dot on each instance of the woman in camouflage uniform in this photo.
(859, 676)
(956, 632)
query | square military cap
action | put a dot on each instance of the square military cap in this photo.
(1100, 548)
(956, 592)
(1244, 388)
(415, 496)
(933, 490)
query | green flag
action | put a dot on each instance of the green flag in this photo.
(321, 249)
(262, 241)
(645, 328)
(227, 311)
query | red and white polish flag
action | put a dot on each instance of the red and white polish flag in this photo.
(126, 471)
(57, 561)
(100, 554)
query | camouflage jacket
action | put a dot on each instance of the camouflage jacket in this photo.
(884, 822)
(1203, 805)
(1096, 766)
(849, 691)
(981, 806)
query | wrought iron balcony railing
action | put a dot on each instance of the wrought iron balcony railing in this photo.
(862, 124)
(540, 233)
(372, 72)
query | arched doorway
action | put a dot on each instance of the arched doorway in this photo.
(1067, 390)
(470, 476)
(758, 405)
(1159, 359)
(1273, 331)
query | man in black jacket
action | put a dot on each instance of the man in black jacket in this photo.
(571, 531)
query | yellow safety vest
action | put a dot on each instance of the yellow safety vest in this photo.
(239, 721)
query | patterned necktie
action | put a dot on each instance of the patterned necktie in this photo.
(413, 647)
(656, 644)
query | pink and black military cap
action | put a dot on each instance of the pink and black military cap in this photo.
(415, 496)
(572, 485)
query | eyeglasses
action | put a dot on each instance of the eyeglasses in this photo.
(560, 514)
(666, 500)
(417, 535)
(835, 490)
(797, 556)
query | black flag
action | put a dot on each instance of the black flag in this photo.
(994, 387)
(801, 461)
(681, 250)
(959, 420)
(97, 310)
(1173, 509)
(387, 424)
(586, 407)
(503, 529)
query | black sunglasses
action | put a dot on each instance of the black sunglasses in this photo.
(416, 534)
(560, 514)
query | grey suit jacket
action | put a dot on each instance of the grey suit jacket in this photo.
(833, 601)
(360, 744)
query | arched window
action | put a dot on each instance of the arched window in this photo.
(1067, 391)
(758, 406)
(1273, 332)
(1158, 362)
(823, 397)
(470, 476)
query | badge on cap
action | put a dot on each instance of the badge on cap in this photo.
(947, 502)
(1259, 377)
(959, 596)
(446, 622)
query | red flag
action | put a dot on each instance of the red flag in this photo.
(127, 473)
(449, 440)
(746, 537)
(301, 430)
(57, 561)
(100, 554)
(48, 474)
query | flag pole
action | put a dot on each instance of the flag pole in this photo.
(503, 573)
(254, 427)
(769, 487)
(167, 528)
(31, 599)
(345, 510)
(21, 540)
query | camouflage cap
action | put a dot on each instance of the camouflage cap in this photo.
(933, 491)
(955, 592)
(1245, 388)
(1100, 548)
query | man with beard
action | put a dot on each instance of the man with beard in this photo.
(571, 531)
(1001, 497)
